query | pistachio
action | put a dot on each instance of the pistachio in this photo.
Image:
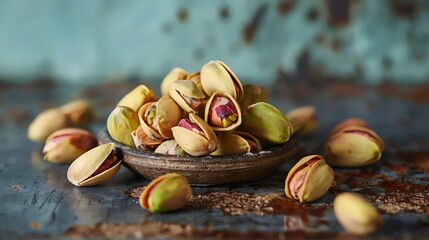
(120, 123)
(236, 143)
(196, 78)
(174, 75)
(143, 141)
(309, 179)
(303, 119)
(80, 112)
(157, 118)
(252, 94)
(47, 122)
(267, 123)
(355, 214)
(166, 193)
(216, 76)
(65, 145)
(95, 166)
(187, 95)
(170, 147)
(348, 123)
(194, 136)
(222, 112)
(137, 97)
(354, 146)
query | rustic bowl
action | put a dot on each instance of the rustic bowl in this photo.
(206, 170)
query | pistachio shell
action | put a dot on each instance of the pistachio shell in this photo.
(193, 142)
(166, 193)
(174, 75)
(252, 94)
(143, 141)
(65, 145)
(355, 214)
(186, 94)
(348, 123)
(196, 78)
(236, 143)
(166, 115)
(47, 122)
(137, 97)
(309, 179)
(266, 123)
(354, 147)
(216, 76)
(80, 112)
(88, 169)
(211, 114)
(170, 147)
(303, 119)
(120, 123)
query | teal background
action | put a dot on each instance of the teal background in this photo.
(95, 41)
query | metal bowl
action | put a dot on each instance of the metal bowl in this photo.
(206, 170)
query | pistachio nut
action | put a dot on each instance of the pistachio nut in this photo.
(137, 97)
(120, 123)
(47, 122)
(187, 95)
(236, 143)
(170, 147)
(354, 146)
(252, 94)
(80, 112)
(143, 141)
(303, 119)
(65, 145)
(348, 123)
(309, 179)
(157, 118)
(355, 214)
(166, 193)
(174, 75)
(267, 123)
(222, 112)
(196, 78)
(194, 136)
(216, 76)
(95, 166)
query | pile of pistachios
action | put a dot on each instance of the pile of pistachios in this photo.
(208, 112)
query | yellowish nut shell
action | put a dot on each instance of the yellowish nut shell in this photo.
(47, 122)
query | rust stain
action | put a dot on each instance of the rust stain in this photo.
(313, 14)
(344, 89)
(420, 94)
(18, 116)
(404, 9)
(284, 7)
(182, 15)
(398, 169)
(252, 27)
(224, 12)
(291, 207)
(419, 160)
(338, 12)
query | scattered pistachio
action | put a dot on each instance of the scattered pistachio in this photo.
(47, 122)
(80, 112)
(348, 123)
(303, 119)
(166, 193)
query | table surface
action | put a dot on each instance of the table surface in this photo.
(37, 201)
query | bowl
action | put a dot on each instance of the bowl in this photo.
(206, 170)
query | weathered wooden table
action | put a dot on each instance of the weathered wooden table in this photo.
(37, 201)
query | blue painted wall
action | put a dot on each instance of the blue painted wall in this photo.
(95, 41)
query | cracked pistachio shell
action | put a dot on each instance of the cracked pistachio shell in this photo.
(120, 123)
(354, 146)
(252, 94)
(80, 112)
(355, 214)
(187, 95)
(303, 119)
(157, 118)
(47, 122)
(216, 76)
(267, 123)
(170, 147)
(95, 166)
(348, 123)
(166, 193)
(137, 97)
(195, 140)
(143, 141)
(174, 75)
(65, 145)
(236, 143)
(309, 179)
(213, 117)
